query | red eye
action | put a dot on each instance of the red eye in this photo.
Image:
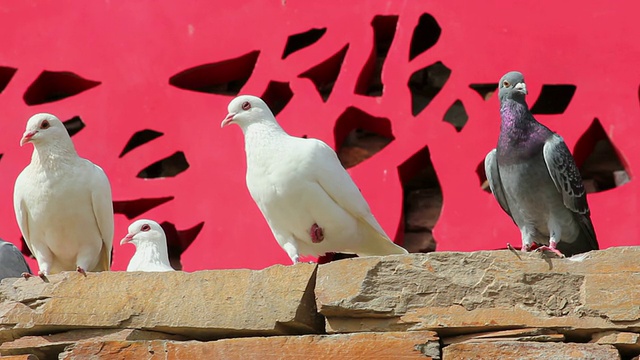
(246, 105)
(44, 125)
(145, 227)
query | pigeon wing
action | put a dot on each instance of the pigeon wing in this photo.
(493, 176)
(337, 183)
(103, 211)
(564, 172)
(21, 211)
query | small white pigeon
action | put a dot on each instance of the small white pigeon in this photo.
(151, 247)
(309, 200)
(63, 203)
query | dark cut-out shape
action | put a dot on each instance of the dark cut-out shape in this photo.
(225, 77)
(302, 40)
(179, 240)
(277, 96)
(74, 125)
(325, 74)
(456, 115)
(56, 85)
(6, 74)
(138, 139)
(134, 208)
(484, 90)
(167, 167)
(422, 201)
(482, 177)
(553, 99)
(1, 156)
(598, 159)
(359, 135)
(425, 84)
(425, 35)
(370, 80)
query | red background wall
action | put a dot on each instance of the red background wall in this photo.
(139, 51)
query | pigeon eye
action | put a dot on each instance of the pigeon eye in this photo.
(45, 125)
(505, 83)
(246, 105)
(145, 227)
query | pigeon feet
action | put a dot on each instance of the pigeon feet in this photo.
(41, 275)
(552, 248)
(81, 271)
(317, 234)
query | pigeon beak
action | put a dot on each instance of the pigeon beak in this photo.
(228, 120)
(522, 87)
(127, 239)
(26, 137)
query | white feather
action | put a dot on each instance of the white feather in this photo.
(151, 247)
(299, 182)
(63, 202)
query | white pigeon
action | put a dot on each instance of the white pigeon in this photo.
(63, 203)
(309, 200)
(151, 247)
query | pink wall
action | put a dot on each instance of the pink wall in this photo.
(133, 49)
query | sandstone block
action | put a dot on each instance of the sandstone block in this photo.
(627, 343)
(409, 345)
(514, 350)
(19, 357)
(49, 346)
(455, 293)
(202, 305)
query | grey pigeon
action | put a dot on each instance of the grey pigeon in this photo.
(535, 179)
(12, 263)
(309, 200)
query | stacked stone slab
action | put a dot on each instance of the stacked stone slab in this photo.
(483, 305)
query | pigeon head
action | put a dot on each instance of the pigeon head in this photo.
(43, 128)
(512, 86)
(246, 109)
(144, 230)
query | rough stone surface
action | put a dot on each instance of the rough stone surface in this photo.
(49, 346)
(19, 357)
(626, 342)
(532, 334)
(203, 305)
(489, 290)
(409, 345)
(513, 350)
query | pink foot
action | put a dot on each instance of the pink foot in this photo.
(81, 271)
(317, 234)
(552, 248)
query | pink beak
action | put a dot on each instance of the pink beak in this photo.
(227, 120)
(126, 239)
(26, 137)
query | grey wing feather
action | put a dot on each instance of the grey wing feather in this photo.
(566, 176)
(12, 263)
(564, 172)
(493, 176)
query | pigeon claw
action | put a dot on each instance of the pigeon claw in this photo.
(81, 271)
(551, 248)
(43, 276)
(317, 234)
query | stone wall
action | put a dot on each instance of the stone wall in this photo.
(483, 305)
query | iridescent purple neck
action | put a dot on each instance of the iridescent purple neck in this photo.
(521, 136)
